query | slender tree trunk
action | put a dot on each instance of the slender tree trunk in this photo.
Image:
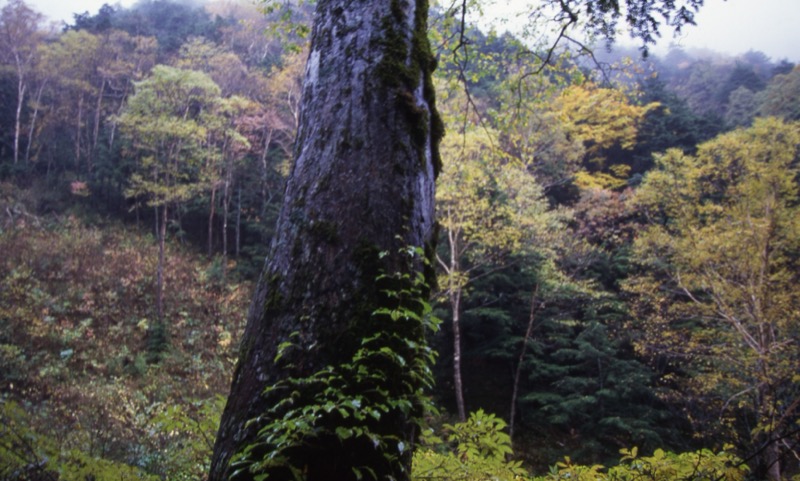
(211, 210)
(21, 87)
(266, 195)
(773, 458)
(238, 220)
(162, 236)
(226, 201)
(97, 110)
(361, 187)
(517, 374)
(111, 135)
(78, 136)
(458, 384)
(113, 129)
(455, 291)
(33, 121)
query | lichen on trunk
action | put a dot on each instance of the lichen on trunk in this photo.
(360, 193)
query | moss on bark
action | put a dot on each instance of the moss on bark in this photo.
(403, 72)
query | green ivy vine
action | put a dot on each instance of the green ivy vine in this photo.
(352, 412)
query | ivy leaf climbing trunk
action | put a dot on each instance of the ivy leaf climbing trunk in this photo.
(360, 193)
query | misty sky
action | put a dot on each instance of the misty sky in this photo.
(732, 27)
(736, 26)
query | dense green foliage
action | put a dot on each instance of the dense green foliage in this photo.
(618, 262)
(703, 465)
(474, 449)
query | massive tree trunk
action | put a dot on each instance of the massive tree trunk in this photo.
(361, 188)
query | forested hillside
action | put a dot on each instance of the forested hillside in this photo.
(617, 264)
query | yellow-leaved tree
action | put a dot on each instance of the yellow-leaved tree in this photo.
(602, 119)
(717, 298)
(489, 210)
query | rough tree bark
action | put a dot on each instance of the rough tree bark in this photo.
(362, 183)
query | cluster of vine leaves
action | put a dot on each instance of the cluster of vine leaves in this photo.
(357, 405)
